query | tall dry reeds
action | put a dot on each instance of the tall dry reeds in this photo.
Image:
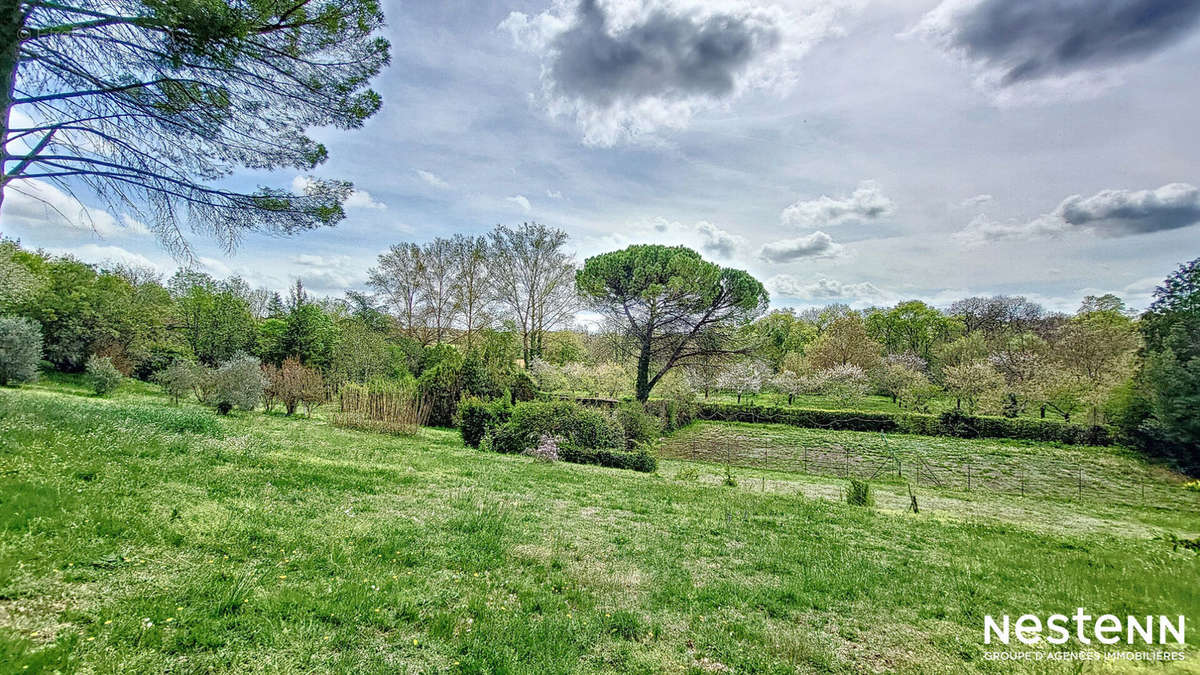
(381, 409)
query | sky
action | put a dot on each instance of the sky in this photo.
(857, 151)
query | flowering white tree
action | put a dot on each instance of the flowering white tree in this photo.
(581, 377)
(612, 379)
(846, 384)
(744, 378)
(974, 383)
(790, 384)
(548, 376)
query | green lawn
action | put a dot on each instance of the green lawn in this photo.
(138, 537)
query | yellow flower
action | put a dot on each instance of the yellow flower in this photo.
(282, 576)
(108, 622)
(414, 641)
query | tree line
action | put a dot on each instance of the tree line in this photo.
(490, 314)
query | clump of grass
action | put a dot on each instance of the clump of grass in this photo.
(859, 493)
(173, 420)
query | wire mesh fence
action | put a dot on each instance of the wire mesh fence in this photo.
(940, 463)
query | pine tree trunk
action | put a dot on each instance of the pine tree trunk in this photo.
(643, 373)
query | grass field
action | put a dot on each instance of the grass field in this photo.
(138, 537)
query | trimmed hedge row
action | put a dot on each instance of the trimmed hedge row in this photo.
(951, 423)
(635, 460)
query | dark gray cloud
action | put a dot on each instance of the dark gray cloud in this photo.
(1124, 212)
(1026, 40)
(664, 56)
(1108, 213)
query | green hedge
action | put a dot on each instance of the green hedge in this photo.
(947, 424)
(635, 460)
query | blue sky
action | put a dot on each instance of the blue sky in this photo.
(862, 152)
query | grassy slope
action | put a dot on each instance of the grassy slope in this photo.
(276, 545)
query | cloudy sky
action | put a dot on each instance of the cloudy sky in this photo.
(856, 151)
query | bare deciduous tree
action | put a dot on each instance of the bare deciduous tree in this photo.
(534, 280)
(399, 279)
(472, 285)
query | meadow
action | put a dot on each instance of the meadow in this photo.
(143, 537)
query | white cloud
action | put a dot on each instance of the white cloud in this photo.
(822, 289)
(361, 199)
(106, 254)
(711, 240)
(358, 199)
(215, 267)
(331, 274)
(38, 204)
(976, 201)
(554, 194)
(718, 242)
(521, 201)
(432, 179)
(866, 203)
(815, 245)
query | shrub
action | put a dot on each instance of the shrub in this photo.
(179, 379)
(672, 413)
(105, 376)
(576, 425)
(20, 349)
(477, 418)
(859, 493)
(637, 426)
(523, 387)
(292, 384)
(391, 408)
(440, 384)
(236, 383)
(583, 435)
